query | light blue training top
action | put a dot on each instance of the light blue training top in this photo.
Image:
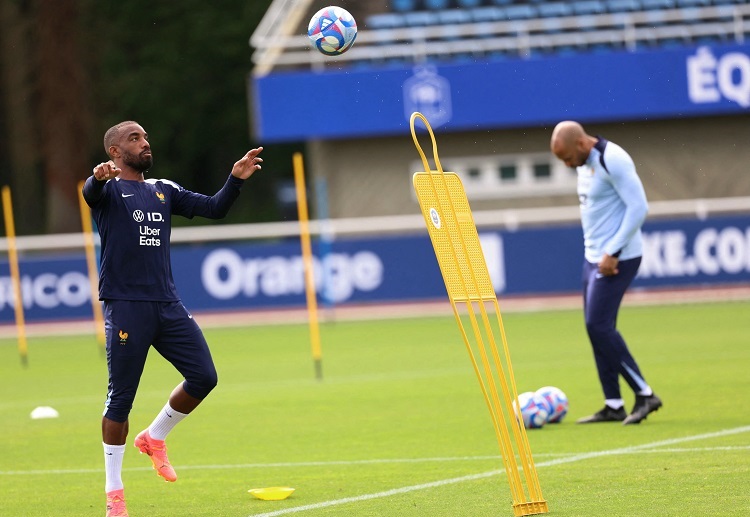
(613, 203)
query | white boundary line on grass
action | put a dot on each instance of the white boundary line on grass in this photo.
(451, 481)
(562, 457)
(379, 461)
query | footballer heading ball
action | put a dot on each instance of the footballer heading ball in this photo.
(332, 30)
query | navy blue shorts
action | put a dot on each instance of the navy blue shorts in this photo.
(131, 329)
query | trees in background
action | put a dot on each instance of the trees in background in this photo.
(73, 68)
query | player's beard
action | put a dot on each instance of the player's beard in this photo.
(140, 162)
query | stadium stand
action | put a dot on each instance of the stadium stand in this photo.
(444, 30)
(581, 25)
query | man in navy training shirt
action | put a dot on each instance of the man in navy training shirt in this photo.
(141, 305)
(613, 208)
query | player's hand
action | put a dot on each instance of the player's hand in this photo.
(608, 265)
(107, 170)
(248, 164)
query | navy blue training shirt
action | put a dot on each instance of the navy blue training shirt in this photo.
(135, 223)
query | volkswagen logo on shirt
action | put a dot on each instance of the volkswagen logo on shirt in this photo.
(154, 217)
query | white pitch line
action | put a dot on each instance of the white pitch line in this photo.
(387, 493)
(301, 464)
(297, 464)
(451, 481)
(563, 458)
(645, 446)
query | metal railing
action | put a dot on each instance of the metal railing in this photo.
(392, 224)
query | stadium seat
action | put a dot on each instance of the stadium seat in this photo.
(453, 16)
(552, 25)
(657, 4)
(385, 21)
(588, 7)
(499, 55)
(469, 4)
(715, 34)
(554, 9)
(420, 18)
(655, 18)
(604, 47)
(724, 12)
(487, 14)
(403, 6)
(449, 32)
(575, 44)
(690, 15)
(619, 6)
(675, 40)
(520, 12)
(621, 19)
(435, 5)
(586, 22)
(693, 3)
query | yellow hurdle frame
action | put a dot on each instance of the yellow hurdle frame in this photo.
(455, 239)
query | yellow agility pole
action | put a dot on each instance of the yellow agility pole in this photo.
(307, 260)
(454, 237)
(93, 273)
(15, 274)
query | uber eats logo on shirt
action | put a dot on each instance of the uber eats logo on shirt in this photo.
(149, 236)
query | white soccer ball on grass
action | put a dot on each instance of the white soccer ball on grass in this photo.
(533, 410)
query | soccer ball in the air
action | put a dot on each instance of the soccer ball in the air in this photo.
(332, 30)
(556, 403)
(533, 409)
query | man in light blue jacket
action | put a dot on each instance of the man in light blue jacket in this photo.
(613, 209)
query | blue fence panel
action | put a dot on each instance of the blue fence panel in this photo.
(533, 261)
(590, 87)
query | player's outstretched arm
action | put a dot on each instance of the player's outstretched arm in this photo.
(248, 164)
(106, 170)
(93, 189)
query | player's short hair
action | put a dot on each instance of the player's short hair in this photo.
(113, 134)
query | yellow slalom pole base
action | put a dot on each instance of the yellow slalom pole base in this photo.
(530, 508)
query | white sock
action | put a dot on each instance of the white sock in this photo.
(165, 422)
(113, 455)
(646, 392)
(615, 403)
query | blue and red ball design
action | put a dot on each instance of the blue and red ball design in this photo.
(556, 403)
(332, 30)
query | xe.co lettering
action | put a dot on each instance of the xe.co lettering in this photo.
(714, 251)
(711, 77)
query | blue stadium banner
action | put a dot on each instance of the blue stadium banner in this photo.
(533, 261)
(590, 87)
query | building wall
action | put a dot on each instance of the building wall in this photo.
(676, 159)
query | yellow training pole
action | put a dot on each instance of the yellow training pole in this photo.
(454, 237)
(15, 275)
(88, 240)
(307, 260)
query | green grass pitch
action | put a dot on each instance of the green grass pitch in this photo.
(398, 426)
